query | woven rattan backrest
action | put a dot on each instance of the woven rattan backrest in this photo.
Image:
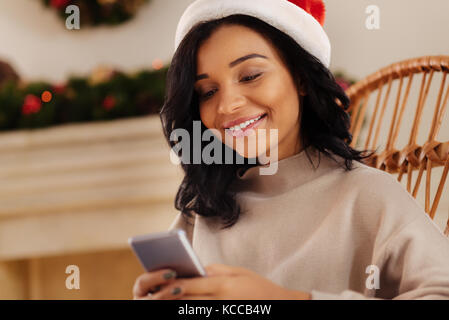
(389, 91)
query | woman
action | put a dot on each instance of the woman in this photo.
(324, 225)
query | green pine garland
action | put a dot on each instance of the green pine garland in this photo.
(121, 96)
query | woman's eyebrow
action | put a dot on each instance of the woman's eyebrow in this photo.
(233, 64)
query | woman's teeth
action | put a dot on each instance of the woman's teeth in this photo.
(243, 125)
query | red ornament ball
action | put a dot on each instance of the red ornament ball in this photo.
(58, 88)
(109, 102)
(31, 104)
(59, 4)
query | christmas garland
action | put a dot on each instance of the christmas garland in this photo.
(97, 12)
(105, 95)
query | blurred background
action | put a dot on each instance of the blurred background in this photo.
(83, 163)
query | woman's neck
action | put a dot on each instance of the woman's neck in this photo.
(283, 153)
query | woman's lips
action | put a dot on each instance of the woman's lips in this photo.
(230, 124)
(250, 129)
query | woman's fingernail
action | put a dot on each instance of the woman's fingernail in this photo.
(176, 291)
(169, 275)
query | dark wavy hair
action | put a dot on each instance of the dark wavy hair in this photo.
(205, 189)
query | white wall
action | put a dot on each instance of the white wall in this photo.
(408, 29)
(34, 39)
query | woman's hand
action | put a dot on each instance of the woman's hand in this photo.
(223, 283)
(150, 282)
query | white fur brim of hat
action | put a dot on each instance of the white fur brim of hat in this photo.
(281, 14)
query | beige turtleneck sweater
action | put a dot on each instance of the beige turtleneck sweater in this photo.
(319, 230)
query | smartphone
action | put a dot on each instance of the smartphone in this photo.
(169, 249)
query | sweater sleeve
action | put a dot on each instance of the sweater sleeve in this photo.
(416, 262)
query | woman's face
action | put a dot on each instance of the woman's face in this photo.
(240, 78)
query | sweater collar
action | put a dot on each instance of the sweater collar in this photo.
(291, 173)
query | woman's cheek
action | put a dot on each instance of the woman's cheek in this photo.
(271, 90)
(206, 116)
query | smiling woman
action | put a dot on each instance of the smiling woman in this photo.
(317, 227)
(233, 70)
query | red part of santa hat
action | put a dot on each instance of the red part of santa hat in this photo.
(315, 7)
(302, 20)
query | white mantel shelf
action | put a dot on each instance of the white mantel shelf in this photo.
(84, 187)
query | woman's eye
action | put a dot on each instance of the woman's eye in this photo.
(249, 78)
(208, 94)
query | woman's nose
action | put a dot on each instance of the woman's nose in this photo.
(230, 101)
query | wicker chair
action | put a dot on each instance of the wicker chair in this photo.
(395, 81)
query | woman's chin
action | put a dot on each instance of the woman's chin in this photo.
(251, 148)
(251, 154)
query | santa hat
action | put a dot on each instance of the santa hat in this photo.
(300, 19)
